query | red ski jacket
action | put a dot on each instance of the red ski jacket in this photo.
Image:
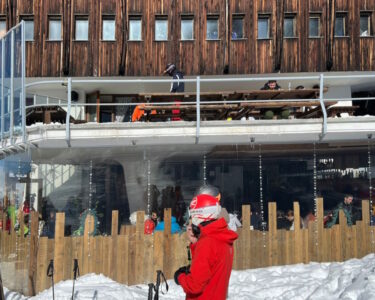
(211, 263)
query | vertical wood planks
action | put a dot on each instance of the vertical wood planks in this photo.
(272, 239)
(33, 254)
(59, 247)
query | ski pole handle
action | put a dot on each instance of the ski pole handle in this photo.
(50, 269)
(150, 291)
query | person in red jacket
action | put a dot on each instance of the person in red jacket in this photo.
(212, 259)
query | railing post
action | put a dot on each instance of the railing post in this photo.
(67, 123)
(11, 109)
(198, 100)
(321, 99)
(2, 86)
(23, 98)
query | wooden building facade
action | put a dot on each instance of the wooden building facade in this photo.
(249, 54)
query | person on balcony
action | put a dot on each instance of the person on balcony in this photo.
(176, 87)
(272, 85)
(347, 207)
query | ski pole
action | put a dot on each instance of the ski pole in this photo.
(50, 272)
(151, 287)
(159, 274)
(75, 271)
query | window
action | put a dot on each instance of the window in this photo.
(54, 29)
(82, 29)
(237, 27)
(263, 27)
(314, 26)
(212, 32)
(29, 28)
(289, 28)
(187, 28)
(365, 24)
(3, 27)
(109, 29)
(135, 29)
(161, 28)
(340, 24)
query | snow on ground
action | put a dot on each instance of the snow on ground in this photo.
(353, 279)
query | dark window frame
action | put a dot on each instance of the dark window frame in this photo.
(135, 17)
(189, 17)
(344, 16)
(293, 17)
(28, 18)
(368, 15)
(316, 15)
(215, 17)
(108, 17)
(267, 17)
(161, 17)
(239, 16)
(55, 18)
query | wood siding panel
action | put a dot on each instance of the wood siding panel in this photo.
(198, 57)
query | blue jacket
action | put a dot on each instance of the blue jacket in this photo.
(174, 226)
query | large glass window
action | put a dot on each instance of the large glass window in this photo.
(187, 28)
(161, 28)
(365, 24)
(237, 27)
(314, 26)
(135, 29)
(82, 29)
(340, 24)
(263, 27)
(289, 26)
(109, 29)
(212, 32)
(3, 27)
(54, 29)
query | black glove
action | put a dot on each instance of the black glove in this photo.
(184, 269)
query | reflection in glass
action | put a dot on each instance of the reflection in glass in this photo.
(340, 26)
(365, 25)
(212, 32)
(289, 27)
(187, 28)
(237, 28)
(29, 30)
(263, 28)
(135, 30)
(54, 30)
(82, 30)
(109, 28)
(161, 30)
(314, 27)
(3, 28)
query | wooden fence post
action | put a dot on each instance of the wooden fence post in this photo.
(59, 247)
(114, 234)
(319, 247)
(298, 245)
(167, 242)
(139, 246)
(272, 230)
(367, 235)
(32, 273)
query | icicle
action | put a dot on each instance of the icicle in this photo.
(369, 173)
(261, 196)
(204, 170)
(315, 198)
(149, 187)
(89, 214)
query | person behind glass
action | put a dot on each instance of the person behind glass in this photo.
(212, 259)
(347, 207)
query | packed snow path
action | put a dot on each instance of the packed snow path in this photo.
(353, 279)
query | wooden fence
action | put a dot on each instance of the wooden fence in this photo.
(131, 257)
